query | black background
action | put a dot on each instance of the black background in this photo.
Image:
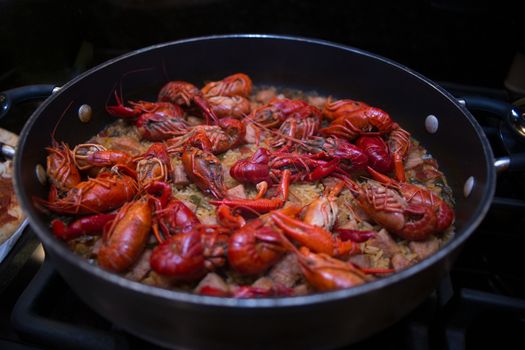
(468, 42)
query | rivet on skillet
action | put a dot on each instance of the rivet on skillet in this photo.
(431, 124)
(40, 174)
(84, 113)
(469, 185)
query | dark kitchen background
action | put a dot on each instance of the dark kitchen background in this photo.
(469, 47)
(468, 42)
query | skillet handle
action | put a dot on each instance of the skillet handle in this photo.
(22, 94)
(500, 109)
(514, 162)
(6, 151)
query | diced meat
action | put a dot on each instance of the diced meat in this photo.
(212, 284)
(264, 96)
(180, 178)
(317, 101)
(384, 241)
(252, 133)
(236, 192)
(361, 260)
(286, 272)
(424, 249)
(208, 220)
(141, 268)
(263, 283)
(400, 262)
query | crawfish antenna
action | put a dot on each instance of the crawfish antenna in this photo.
(53, 133)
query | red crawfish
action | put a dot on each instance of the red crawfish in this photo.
(379, 156)
(205, 171)
(259, 204)
(189, 256)
(88, 225)
(273, 114)
(323, 211)
(314, 237)
(269, 167)
(416, 197)
(125, 239)
(254, 169)
(103, 193)
(298, 127)
(399, 143)
(238, 84)
(351, 157)
(326, 273)
(255, 247)
(60, 167)
(153, 165)
(406, 210)
(229, 133)
(230, 106)
(359, 122)
(171, 216)
(187, 95)
(340, 108)
(155, 121)
(89, 155)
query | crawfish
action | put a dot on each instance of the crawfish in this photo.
(399, 143)
(359, 122)
(88, 225)
(234, 85)
(189, 256)
(226, 106)
(340, 108)
(418, 196)
(314, 237)
(186, 94)
(60, 167)
(350, 156)
(153, 165)
(165, 109)
(212, 138)
(299, 128)
(273, 114)
(255, 247)
(326, 273)
(258, 204)
(323, 211)
(89, 155)
(171, 216)
(155, 121)
(103, 193)
(126, 237)
(204, 170)
(254, 169)
(379, 157)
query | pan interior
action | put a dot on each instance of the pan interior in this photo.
(309, 65)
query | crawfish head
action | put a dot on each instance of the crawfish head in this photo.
(254, 248)
(379, 157)
(205, 170)
(157, 127)
(254, 169)
(236, 84)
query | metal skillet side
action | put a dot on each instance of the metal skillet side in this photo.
(175, 319)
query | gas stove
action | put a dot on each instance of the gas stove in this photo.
(480, 303)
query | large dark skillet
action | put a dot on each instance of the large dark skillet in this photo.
(330, 319)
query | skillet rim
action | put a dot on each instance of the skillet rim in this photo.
(60, 249)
